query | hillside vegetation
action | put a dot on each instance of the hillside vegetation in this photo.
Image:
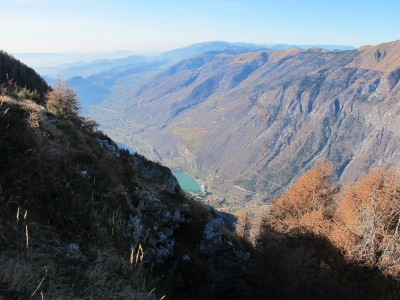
(81, 218)
(318, 241)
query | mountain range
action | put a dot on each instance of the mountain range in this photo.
(247, 119)
(248, 123)
(88, 74)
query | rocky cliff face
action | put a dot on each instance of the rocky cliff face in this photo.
(248, 124)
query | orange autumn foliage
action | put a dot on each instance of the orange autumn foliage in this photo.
(366, 222)
(363, 221)
(307, 205)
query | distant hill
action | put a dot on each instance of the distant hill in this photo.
(40, 60)
(325, 47)
(201, 48)
(87, 90)
(86, 69)
(249, 123)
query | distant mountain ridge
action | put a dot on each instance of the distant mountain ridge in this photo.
(107, 74)
(46, 63)
(253, 121)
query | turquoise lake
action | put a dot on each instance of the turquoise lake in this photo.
(187, 183)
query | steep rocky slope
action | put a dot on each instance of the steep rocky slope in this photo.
(81, 218)
(249, 123)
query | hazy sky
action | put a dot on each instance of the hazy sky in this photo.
(157, 25)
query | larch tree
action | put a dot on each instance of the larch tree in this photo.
(367, 220)
(63, 99)
(308, 204)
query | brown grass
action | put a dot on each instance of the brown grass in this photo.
(41, 159)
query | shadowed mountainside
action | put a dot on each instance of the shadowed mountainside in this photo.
(14, 72)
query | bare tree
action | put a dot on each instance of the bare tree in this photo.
(64, 99)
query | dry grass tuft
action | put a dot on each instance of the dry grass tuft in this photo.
(7, 100)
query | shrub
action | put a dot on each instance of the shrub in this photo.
(63, 101)
(51, 108)
(8, 87)
(25, 93)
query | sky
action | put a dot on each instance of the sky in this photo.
(159, 25)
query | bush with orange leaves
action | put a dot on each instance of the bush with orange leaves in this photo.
(367, 219)
(308, 205)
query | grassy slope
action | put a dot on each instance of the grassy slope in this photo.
(42, 160)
